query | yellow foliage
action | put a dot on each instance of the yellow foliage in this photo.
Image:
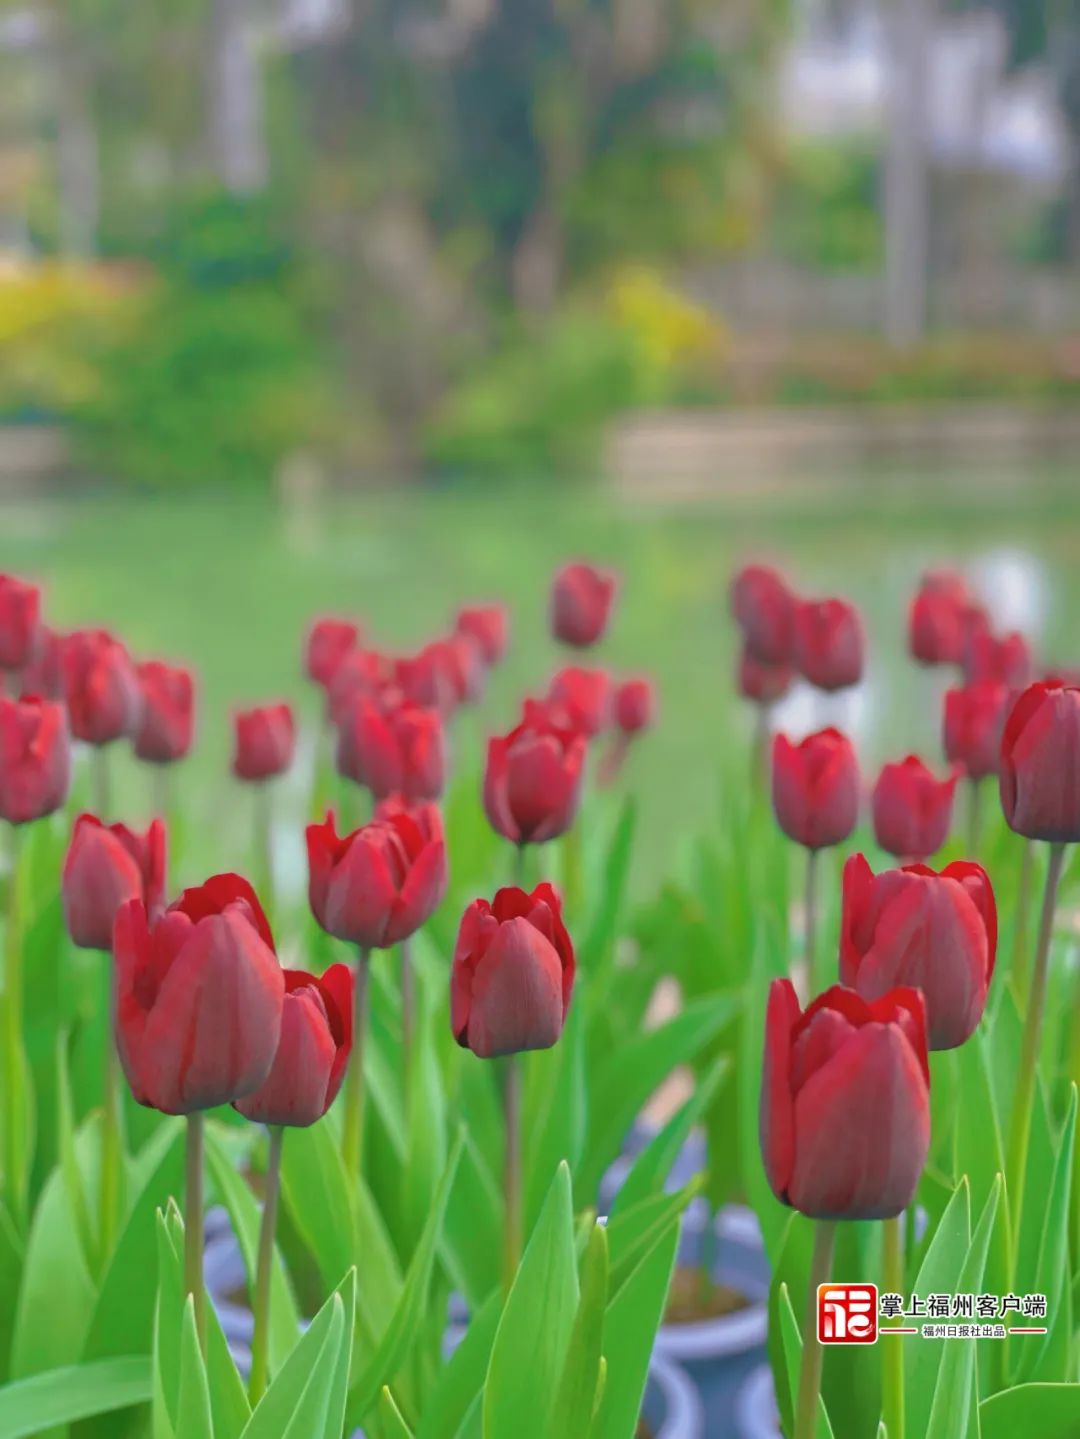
(671, 331)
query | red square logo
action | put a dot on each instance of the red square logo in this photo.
(847, 1313)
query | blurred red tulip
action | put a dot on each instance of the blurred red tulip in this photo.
(1004, 659)
(512, 973)
(198, 997)
(35, 759)
(102, 693)
(105, 866)
(361, 672)
(829, 643)
(933, 932)
(1040, 764)
(265, 741)
(312, 1053)
(635, 705)
(937, 624)
(763, 683)
(580, 605)
(912, 809)
(582, 698)
(378, 885)
(328, 643)
(845, 1102)
(815, 788)
(20, 607)
(489, 625)
(399, 748)
(974, 720)
(44, 674)
(167, 713)
(532, 781)
(764, 609)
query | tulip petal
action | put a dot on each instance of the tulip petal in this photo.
(777, 1118)
(516, 1001)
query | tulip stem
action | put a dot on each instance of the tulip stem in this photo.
(974, 819)
(260, 1338)
(520, 864)
(15, 1080)
(408, 1007)
(99, 780)
(193, 1222)
(1024, 1092)
(811, 922)
(512, 1170)
(263, 815)
(892, 1355)
(1023, 922)
(810, 1375)
(353, 1138)
(159, 791)
(760, 757)
(112, 1152)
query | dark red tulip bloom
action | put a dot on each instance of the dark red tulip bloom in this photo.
(845, 1101)
(582, 698)
(102, 693)
(35, 758)
(933, 932)
(198, 997)
(105, 866)
(265, 741)
(532, 781)
(328, 642)
(429, 678)
(167, 717)
(20, 610)
(489, 626)
(763, 683)
(829, 643)
(378, 885)
(936, 623)
(764, 609)
(316, 1037)
(399, 748)
(815, 788)
(466, 668)
(1004, 659)
(512, 974)
(44, 674)
(581, 601)
(361, 672)
(974, 719)
(635, 705)
(912, 809)
(1040, 764)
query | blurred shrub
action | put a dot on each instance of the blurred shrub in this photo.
(827, 210)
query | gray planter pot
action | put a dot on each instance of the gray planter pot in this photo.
(756, 1415)
(672, 1407)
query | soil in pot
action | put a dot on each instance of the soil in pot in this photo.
(694, 1297)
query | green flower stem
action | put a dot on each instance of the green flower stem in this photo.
(263, 818)
(1023, 921)
(99, 781)
(408, 1007)
(160, 787)
(518, 874)
(810, 906)
(512, 1188)
(353, 1138)
(974, 823)
(892, 1354)
(14, 1076)
(193, 1222)
(112, 1152)
(810, 1376)
(1024, 1092)
(260, 1340)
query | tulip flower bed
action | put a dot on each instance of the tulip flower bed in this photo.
(418, 1106)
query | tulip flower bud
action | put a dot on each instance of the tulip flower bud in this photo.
(265, 741)
(532, 781)
(361, 672)
(102, 693)
(489, 626)
(580, 605)
(105, 866)
(829, 643)
(35, 759)
(1003, 659)
(974, 720)
(393, 747)
(936, 623)
(764, 609)
(198, 997)
(815, 788)
(762, 683)
(582, 698)
(845, 1102)
(912, 809)
(1040, 764)
(429, 678)
(167, 718)
(312, 1053)
(328, 642)
(20, 606)
(378, 885)
(44, 675)
(635, 706)
(512, 973)
(933, 932)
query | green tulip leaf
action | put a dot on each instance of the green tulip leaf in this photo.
(394, 1426)
(62, 1396)
(577, 1395)
(461, 1379)
(1050, 1411)
(193, 1417)
(791, 1336)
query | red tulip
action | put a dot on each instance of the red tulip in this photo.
(167, 718)
(580, 607)
(44, 674)
(815, 788)
(582, 699)
(635, 706)
(1040, 764)
(20, 606)
(489, 626)
(378, 885)
(102, 693)
(397, 749)
(764, 609)
(316, 1037)
(198, 997)
(105, 866)
(265, 741)
(912, 809)
(35, 759)
(328, 642)
(512, 973)
(829, 643)
(1005, 659)
(845, 1102)
(763, 683)
(974, 719)
(361, 672)
(936, 622)
(429, 678)
(532, 781)
(466, 668)
(933, 932)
